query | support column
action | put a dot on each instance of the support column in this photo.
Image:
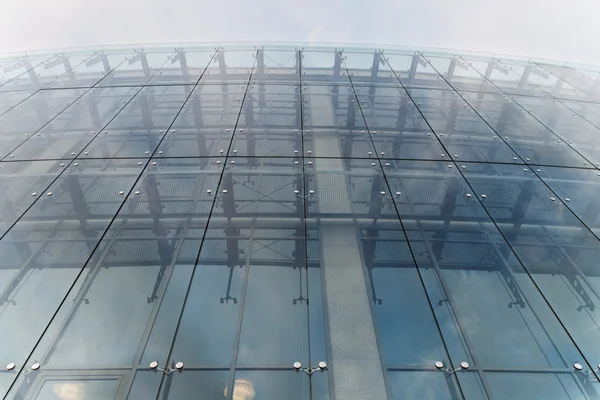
(355, 363)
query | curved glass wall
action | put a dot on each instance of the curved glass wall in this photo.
(293, 222)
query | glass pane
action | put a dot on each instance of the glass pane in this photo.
(10, 100)
(523, 386)
(259, 267)
(205, 124)
(22, 122)
(185, 66)
(417, 385)
(460, 73)
(401, 306)
(468, 265)
(13, 67)
(192, 384)
(78, 389)
(91, 71)
(559, 255)
(359, 63)
(287, 321)
(565, 83)
(579, 189)
(571, 131)
(589, 111)
(460, 128)
(413, 70)
(144, 265)
(584, 78)
(140, 126)
(44, 253)
(397, 128)
(524, 134)
(271, 385)
(54, 72)
(138, 67)
(231, 65)
(276, 65)
(469, 260)
(73, 129)
(271, 122)
(145, 385)
(140, 251)
(20, 183)
(333, 124)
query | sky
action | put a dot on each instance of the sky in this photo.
(554, 29)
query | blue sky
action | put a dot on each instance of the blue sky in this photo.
(557, 29)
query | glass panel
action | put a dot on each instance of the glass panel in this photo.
(400, 304)
(271, 385)
(230, 65)
(460, 128)
(579, 189)
(333, 124)
(205, 125)
(558, 252)
(319, 386)
(170, 204)
(145, 385)
(140, 126)
(44, 253)
(589, 111)
(323, 66)
(279, 61)
(13, 67)
(20, 123)
(468, 265)
(141, 247)
(92, 70)
(412, 69)
(258, 267)
(185, 66)
(506, 77)
(524, 134)
(10, 100)
(73, 129)
(525, 386)
(128, 298)
(54, 72)
(570, 129)
(93, 389)
(397, 128)
(461, 74)
(277, 66)
(271, 122)
(359, 63)
(138, 68)
(192, 384)
(417, 385)
(565, 83)
(18, 183)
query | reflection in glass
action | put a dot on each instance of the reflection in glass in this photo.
(242, 390)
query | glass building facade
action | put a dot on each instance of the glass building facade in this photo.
(284, 222)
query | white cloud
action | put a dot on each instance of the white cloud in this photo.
(541, 28)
